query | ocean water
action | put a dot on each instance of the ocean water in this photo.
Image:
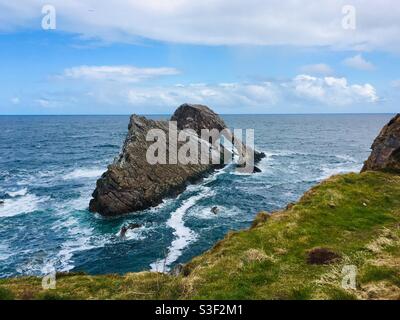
(49, 166)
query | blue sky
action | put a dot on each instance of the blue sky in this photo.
(236, 57)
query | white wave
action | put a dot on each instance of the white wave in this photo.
(81, 239)
(183, 235)
(206, 214)
(67, 223)
(21, 192)
(165, 203)
(78, 236)
(21, 205)
(345, 158)
(134, 234)
(214, 176)
(328, 172)
(84, 173)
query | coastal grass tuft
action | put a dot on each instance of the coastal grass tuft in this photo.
(356, 216)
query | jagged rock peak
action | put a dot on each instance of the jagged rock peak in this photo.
(385, 153)
(197, 117)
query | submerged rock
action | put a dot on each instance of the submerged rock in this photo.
(215, 210)
(131, 183)
(385, 153)
(130, 226)
(256, 170)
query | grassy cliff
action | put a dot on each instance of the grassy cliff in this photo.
(355, 216)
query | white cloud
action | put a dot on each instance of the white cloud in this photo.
(358, 62)
(230, 95)
(303, 93)
(218, 22)
(304, 90)
(318, 69)
(333, 91)
(116, 73)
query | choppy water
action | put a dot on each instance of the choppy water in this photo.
(49, 166)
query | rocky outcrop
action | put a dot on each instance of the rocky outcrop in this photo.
(131, 183)
(386, 149)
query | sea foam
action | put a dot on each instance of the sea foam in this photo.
(183, 235)
(21, 205)
(83, 173)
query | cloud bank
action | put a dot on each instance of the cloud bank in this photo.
(218, 22)
(124, 89)
(116, 73)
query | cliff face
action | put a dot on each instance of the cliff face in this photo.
(131, 183)
(386, 149)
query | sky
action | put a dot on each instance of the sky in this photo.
(238, 57)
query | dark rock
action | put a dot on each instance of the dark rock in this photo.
(256, 170)
(258, 156)
(133, 226)
(1, 202)
(322, 256)
(131, 183)
(386, 149)
(130, 226)
(215, 210)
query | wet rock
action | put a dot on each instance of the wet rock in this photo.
(258, 156)
(130, 226)
(215, 210)
(385, 153)
(322, 256)
(256, 170)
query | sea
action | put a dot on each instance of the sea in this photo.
(49, 166)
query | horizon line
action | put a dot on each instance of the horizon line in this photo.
(222, 114)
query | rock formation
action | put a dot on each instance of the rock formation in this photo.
(386, 149)
(131, 183)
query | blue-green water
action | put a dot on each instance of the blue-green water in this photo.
(49, 166)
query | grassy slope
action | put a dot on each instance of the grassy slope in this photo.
(355, 215)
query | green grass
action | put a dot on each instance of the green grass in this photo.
(355, 215)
